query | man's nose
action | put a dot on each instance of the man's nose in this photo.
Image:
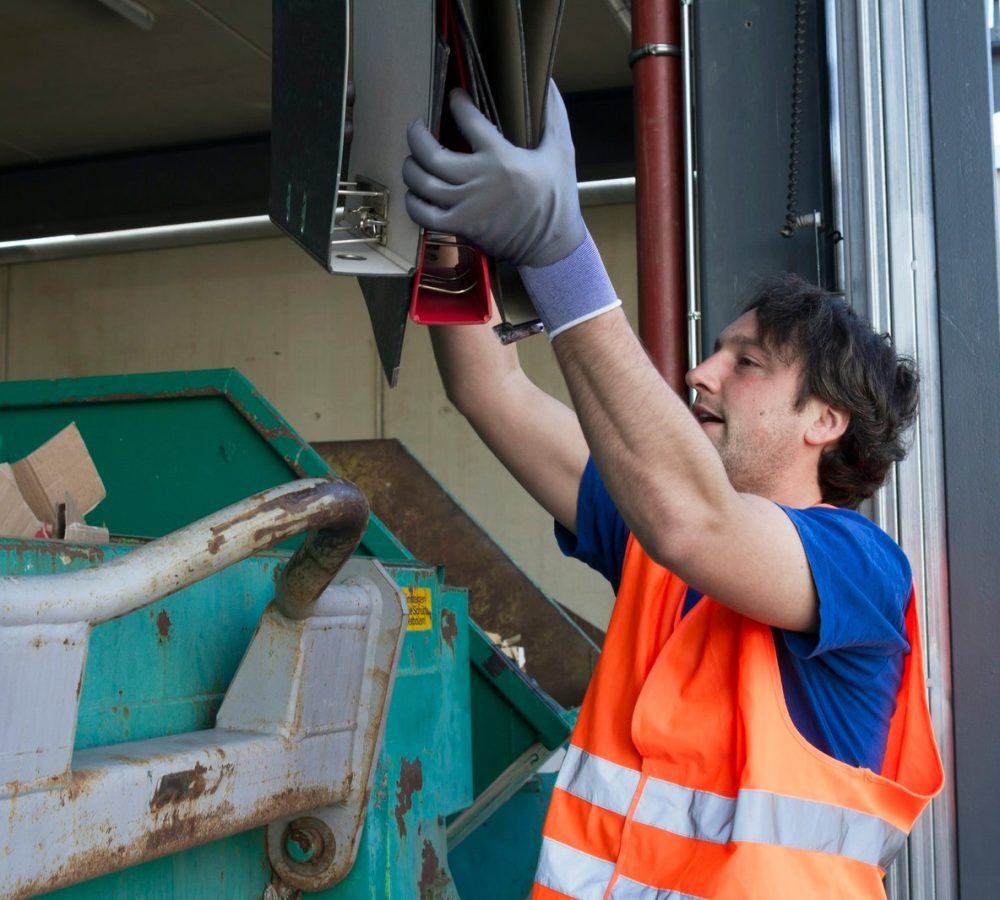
(704, 377)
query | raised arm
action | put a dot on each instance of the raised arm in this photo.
(671, 487)
(533, 434)
(660, 468)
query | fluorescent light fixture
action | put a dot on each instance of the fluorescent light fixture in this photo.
(64, 246)
(607, 191)
(185, 229)
(61, 246)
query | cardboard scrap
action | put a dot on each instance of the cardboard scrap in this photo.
(59, 467)
(48, 492)
(16, 518)
(77, 533)
(76, 530)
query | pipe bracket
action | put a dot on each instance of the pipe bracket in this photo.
(653, 50)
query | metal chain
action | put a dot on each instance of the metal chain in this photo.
(791, 207)
(793, 220)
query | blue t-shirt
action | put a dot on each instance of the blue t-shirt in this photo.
(840, 684)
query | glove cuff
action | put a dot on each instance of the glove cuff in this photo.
(571, 291)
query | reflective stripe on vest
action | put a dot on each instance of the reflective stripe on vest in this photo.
(585, 877)
(598, 781)
(754, 816)
(572, 872)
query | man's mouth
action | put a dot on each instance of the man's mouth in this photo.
(704, 415)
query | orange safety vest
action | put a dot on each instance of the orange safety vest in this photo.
(686, 778)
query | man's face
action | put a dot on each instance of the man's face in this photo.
(746, 405)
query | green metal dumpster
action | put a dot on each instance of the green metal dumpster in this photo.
(175, 447)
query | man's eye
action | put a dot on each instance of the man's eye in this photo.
(748, 361)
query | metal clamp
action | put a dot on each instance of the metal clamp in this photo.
(653, 50)
(509, 334)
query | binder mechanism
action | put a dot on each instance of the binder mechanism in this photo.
(402, 60)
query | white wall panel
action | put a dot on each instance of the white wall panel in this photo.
(261, 306)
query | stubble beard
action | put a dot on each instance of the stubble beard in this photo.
(755, 466)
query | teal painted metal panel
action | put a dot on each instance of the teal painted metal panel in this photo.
(171, 447)
(509, 714)
(497, 861)
(425, 771)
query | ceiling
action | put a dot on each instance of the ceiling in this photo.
(90, 93)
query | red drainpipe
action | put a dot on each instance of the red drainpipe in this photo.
(656, 74)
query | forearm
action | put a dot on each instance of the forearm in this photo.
(659, 467)
(537, 438)
(472, 362)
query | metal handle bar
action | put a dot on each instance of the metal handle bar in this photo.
(335, 509)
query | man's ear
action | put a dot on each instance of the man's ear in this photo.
(828, 424)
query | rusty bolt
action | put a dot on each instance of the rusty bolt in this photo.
(309, 844)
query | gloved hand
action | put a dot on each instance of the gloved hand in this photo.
(517, 205)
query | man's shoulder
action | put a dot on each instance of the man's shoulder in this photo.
(837, 520)
(854, 545)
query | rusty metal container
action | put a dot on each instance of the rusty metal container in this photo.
(172, 448)
(466, 730)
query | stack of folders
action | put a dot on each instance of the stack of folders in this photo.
(501, 52)
(402, 59)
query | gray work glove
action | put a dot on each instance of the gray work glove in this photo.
(517, 205)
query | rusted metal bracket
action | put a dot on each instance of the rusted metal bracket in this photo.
(315, 851)
(299, 728)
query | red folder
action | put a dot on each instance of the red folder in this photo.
(451, 285)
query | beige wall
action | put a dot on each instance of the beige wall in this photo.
(304, 339)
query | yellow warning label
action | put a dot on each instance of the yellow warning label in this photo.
(418, 599)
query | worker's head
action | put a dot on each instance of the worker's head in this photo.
(801, 390)
(848, 365)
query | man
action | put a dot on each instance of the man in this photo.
(757, 724)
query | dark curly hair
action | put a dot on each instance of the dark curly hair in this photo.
(849, 365)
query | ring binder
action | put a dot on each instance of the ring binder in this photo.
(480, 38)
(452, 282)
